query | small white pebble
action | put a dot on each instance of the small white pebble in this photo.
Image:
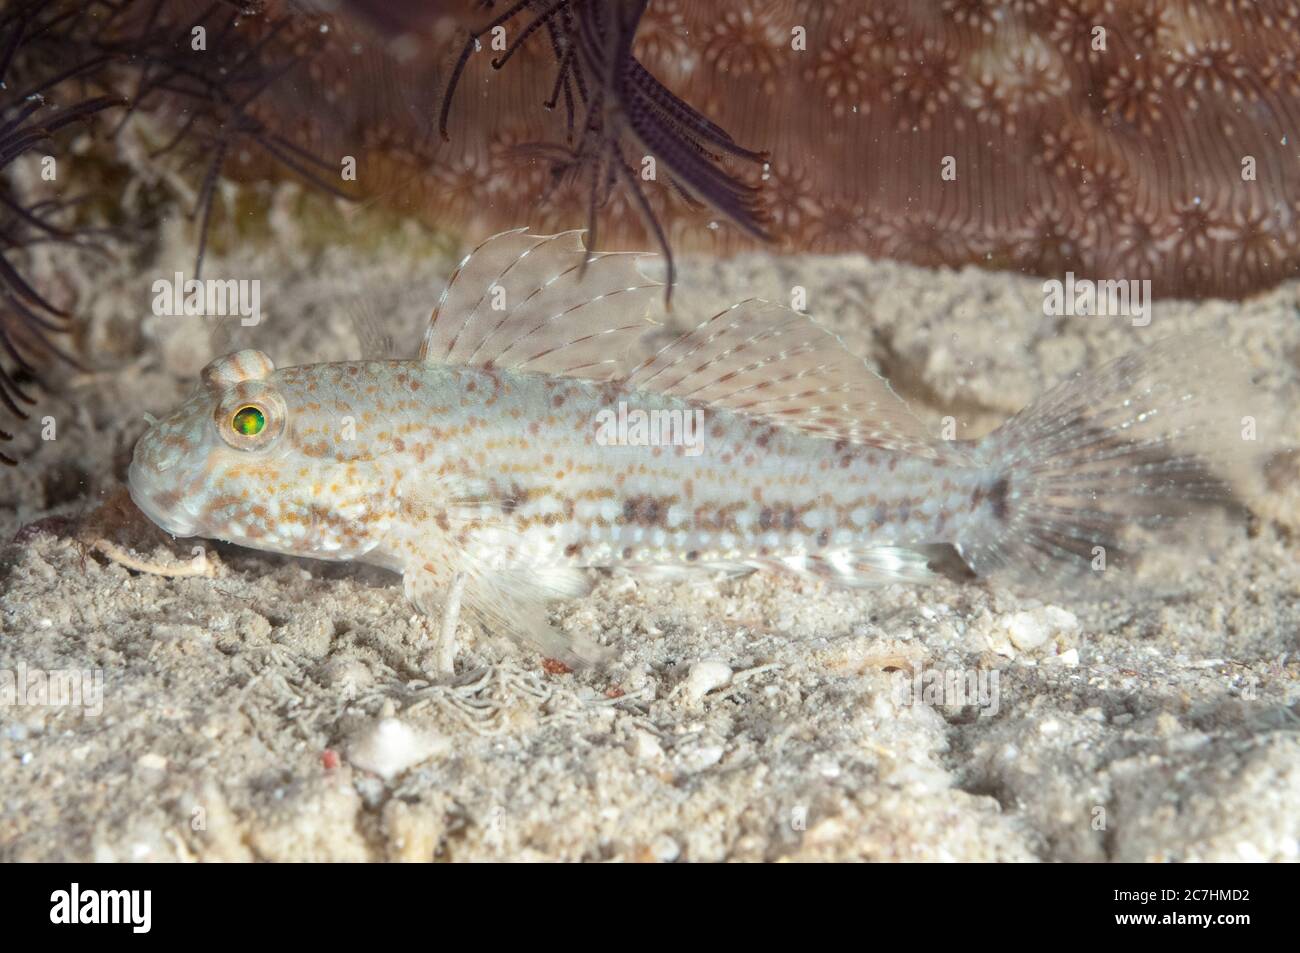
(664, 849)
(388, 747)
(704, 677)
(152, 762)
(1029, 630)
(1025, 631)
(644, 746)
(699, 757)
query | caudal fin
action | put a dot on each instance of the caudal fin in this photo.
(1143, 441)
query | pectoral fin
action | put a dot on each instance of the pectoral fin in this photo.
(514, 603)
(510, 602)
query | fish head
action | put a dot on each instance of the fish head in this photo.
(247, 459)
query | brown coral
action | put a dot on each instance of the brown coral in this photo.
(1090, 135)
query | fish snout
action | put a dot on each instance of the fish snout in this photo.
(154, 482)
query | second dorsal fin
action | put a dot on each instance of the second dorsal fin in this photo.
(541, 304)
(762, 360)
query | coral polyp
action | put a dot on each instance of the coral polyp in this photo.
(1111, 115)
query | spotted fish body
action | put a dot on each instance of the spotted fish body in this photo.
(521, 448)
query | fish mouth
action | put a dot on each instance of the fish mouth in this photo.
(149, 504)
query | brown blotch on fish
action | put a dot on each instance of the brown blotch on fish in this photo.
(998, 497)
(646, 510)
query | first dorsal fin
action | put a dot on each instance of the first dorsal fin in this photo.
(762, 360)
(541, 304)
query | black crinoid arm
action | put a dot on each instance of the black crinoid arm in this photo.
(41, 97)
(617, 114)
(63, 61)
(212, 99)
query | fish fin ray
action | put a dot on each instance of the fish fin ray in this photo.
(1138, 445)
(865, 567)
(541, 304)
(762, 360)
(668, 573)
(514, 603)
(509, 601)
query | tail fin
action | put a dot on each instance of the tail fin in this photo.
(1142, 441)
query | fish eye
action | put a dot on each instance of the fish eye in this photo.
(248, 421)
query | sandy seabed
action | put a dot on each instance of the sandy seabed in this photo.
(280, 709)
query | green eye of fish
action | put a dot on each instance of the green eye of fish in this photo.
(248, 421)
